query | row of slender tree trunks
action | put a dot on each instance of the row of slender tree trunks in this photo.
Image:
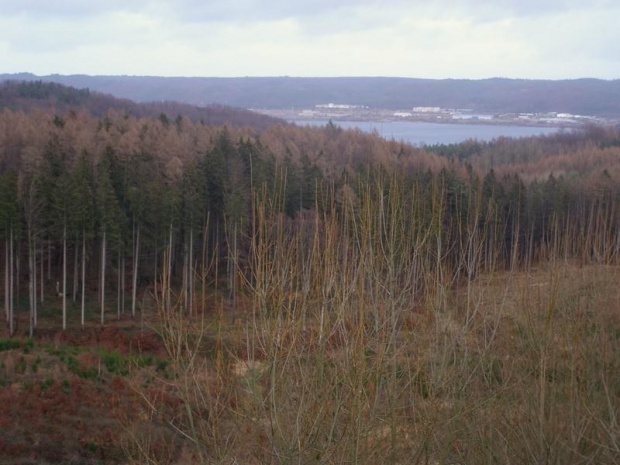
(589, 229)
(37, 255)
(41, 252)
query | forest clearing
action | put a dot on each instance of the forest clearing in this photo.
(529, 375)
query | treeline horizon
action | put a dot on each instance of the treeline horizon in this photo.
(112, 207)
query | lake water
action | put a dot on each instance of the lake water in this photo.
(419, 133)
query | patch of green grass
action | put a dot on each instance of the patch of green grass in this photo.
(21, 366)
(115, 362)
(120, 364)
(162, 365)
(74, 367)
(72, 364)
(64, 353)
(47, 382)
(9, 344)
(35, 365)
(28, 345)
(49, 310)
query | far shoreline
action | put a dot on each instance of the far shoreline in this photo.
(455, 122)
(422, 133)
(443, 116)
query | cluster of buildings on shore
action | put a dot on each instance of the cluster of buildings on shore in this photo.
(553, 118)
(338, 111)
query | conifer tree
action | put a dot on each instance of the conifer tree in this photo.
(9, 225)
(83, 218)
(109, 217)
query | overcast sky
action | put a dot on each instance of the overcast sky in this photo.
(550, 39)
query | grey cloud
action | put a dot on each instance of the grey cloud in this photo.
(541, 8)
(68, 9)
(442, 37)
(254, 10)
(192, 11)
(242, 10)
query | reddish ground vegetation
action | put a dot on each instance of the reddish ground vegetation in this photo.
(69, 421)
(67, 397)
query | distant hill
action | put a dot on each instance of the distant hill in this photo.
(36, 94)
(592, 97)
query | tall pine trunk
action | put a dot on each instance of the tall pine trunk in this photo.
(169, 271)
(11, 287)
(17, 281)
(76, 260)
(191, 270)
(204, 266)
(233, 280)
(103, 278)
(119, 284)
(123, 280)
(6, 279)
(42, 283)
(136, 258)
(31, 290)
(185, 277)
(34, 279)
(64, 276)
(83, 275)
(155, 257)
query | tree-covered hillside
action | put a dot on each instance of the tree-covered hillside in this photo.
(30, 95)
(135, 195)
(593, 97)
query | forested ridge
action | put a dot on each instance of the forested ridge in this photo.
(181, 292)
(594, 97)
(50, 96)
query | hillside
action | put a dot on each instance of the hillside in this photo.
(30, 95)
(175, 292)
(592, 97)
